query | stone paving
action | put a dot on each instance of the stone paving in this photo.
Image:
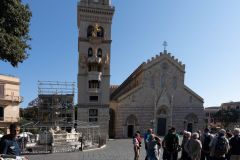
(120, 149)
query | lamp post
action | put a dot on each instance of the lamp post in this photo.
(154, 115)
(171, 111)
(184, 124)
(152, 123)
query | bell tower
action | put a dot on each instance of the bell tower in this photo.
(94, 19)
(102, 2)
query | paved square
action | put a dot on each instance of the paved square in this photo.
(120, 149)
(117, 149)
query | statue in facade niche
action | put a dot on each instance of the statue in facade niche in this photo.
(96, 30)
(83, 61)
(105, 61)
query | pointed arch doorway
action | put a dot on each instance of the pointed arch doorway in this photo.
(130, 131)
(131, 124)
(191, 120)
(162, 126)
(162, 121)
(190, 127)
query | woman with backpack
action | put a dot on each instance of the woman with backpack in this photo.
(136, 146)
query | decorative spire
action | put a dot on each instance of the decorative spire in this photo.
(165, 46)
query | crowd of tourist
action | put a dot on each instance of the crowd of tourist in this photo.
(224, 145)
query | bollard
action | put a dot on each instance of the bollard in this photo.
(81, 140)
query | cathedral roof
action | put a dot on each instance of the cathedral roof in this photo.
(193, 93)
(120, 90)
(113, 88)
(124, 87)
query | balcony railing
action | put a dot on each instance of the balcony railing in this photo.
(11, 98)
(93, 75)
(9, 119)
(95, 59)
(94, 90)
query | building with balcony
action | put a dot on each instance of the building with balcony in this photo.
(211, 111)
(230, 105)
(9, 101)
(210, 120)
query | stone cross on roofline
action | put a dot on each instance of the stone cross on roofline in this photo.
(165, 44)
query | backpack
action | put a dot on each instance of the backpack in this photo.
(171, 142)
(220, 147)
(206, 142)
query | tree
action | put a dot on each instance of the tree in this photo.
(29, 114)
(227, 116)
(14, 31)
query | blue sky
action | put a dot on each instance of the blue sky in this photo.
(204, 35)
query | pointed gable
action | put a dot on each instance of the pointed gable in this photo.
(135, 80)
(167, 57)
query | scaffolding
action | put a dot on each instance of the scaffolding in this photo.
(56, 129)
(86, 136)
(56, 104)
(90, 135)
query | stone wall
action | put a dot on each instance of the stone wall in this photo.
(161, 95)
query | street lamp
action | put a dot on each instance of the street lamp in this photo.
(184, 124)
(152, 122)
(171, 111)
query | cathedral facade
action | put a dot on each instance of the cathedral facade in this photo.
(155, 96)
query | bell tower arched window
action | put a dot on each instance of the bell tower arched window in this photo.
(93, 84)
(90, 31)
(90, 52)
(100, 32)
(99, 53)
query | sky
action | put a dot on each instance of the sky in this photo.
(204, 35)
